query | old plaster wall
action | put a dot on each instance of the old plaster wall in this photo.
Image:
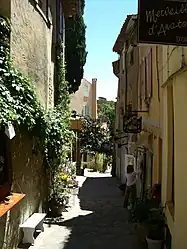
(28, 178)
(31, 43)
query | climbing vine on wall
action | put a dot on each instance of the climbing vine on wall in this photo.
(20, 105)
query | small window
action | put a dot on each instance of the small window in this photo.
(86, 90)
(87, 110)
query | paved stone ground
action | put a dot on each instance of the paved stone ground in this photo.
(97, 220)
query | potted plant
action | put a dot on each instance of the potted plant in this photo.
(155, 225)
(59, 195)
(138, 215)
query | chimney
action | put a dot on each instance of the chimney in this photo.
(94, 98)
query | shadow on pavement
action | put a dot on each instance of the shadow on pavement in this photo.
(103, 221)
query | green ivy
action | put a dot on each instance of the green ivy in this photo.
(20, 105)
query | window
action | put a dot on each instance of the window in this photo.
(87, 110)
(86, 90)
(5, 169)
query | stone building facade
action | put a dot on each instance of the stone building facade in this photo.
(162, 96)
(36, 26)
(84, 101)
(138, 89)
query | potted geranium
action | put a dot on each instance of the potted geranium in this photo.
(155, 224)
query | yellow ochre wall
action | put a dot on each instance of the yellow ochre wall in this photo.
(151, 120)
(175, 75)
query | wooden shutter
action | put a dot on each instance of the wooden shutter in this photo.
(140, 82)
(149, 73)
(145, 78)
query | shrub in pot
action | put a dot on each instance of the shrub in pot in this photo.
(155, 223)
(138, 215)
(59, 195)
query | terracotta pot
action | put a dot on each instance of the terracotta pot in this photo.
(56, 211)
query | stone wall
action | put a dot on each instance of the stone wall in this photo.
(29, 178)
(31, 51)
(31, 44)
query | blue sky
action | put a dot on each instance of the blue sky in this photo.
(104, 19)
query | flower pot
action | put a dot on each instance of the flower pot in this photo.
(56, 211)
(154, 244)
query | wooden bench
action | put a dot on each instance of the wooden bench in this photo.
(34, 222)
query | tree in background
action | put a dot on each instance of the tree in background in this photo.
(107, 112)
(75, 51)
(93, 137)
(95, 141)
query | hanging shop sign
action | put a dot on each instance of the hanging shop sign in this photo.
(162, 22)
(132, 124)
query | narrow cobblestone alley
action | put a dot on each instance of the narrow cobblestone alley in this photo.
(97, 219)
